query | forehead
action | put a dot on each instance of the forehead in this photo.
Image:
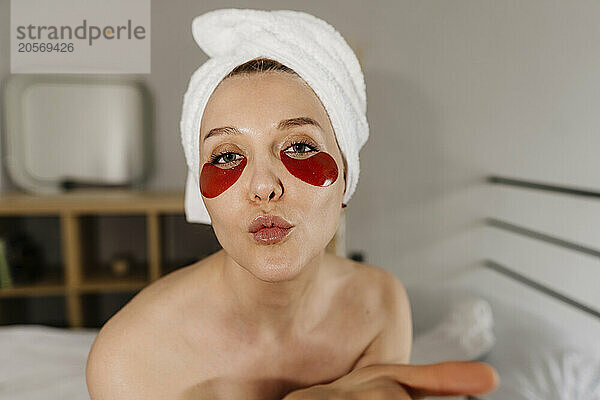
(260, 101)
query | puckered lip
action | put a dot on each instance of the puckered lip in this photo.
(268, 221)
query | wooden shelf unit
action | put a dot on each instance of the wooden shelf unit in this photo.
(69, 208)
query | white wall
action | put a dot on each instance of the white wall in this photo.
(456, 90)
(461, 89)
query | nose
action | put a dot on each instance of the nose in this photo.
(265, 183)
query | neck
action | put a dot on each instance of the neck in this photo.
(271, 308)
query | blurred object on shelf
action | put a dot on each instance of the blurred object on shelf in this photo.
(5, 275)
(120, 265)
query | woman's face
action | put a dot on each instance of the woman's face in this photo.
(255, 105)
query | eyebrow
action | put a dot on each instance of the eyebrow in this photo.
(283, 124)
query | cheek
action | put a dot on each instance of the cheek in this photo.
(215, 180)
(318, 170)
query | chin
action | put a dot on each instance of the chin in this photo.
(276, 269)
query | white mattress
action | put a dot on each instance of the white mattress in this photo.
(39, 362)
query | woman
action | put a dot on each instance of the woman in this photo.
(271, 315)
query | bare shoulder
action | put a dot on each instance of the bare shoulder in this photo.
(392, 289)
(393, 341)
(109, 368)
(378, 282)
(377, 290)
(391, 292)
(121, 346)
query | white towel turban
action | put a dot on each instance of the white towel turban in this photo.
(302, 42)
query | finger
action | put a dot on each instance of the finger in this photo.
(446, 378)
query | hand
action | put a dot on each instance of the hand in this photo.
(405, 382)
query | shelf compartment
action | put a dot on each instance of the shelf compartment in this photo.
(98, 308)
(33, 249)
(183, 243)
(108, 241)
(43, 310)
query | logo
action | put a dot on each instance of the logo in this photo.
(74, 36)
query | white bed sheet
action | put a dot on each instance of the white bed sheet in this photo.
(40, 362)
(538, 359)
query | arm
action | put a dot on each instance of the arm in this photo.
(406, 382)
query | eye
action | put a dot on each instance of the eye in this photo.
(302, 145)
(227, 157)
